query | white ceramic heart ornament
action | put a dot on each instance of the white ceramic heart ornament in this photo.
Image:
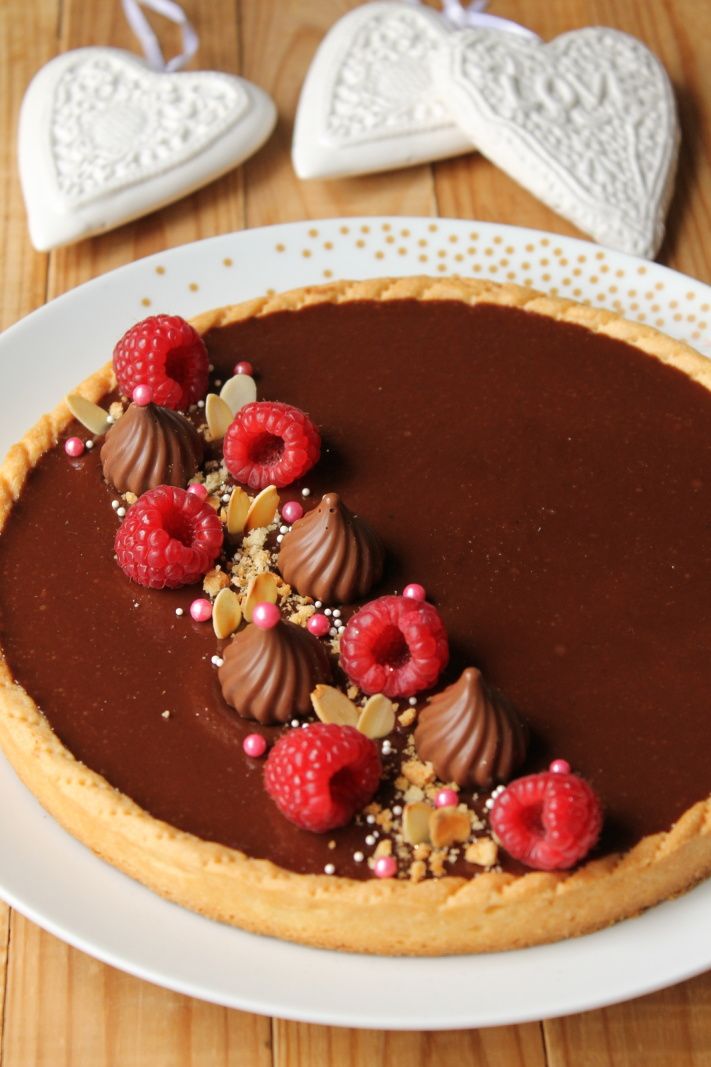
(369, 103)
(104, 140)
(587, 122)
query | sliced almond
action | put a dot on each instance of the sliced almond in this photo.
(261, 590)
(90, 415)
(331, 705)
(238, 391)
(226, 613)
(237, 511)
(448, 826)
(416, 823)
(262, 509)
(377, 719)
(217, 415)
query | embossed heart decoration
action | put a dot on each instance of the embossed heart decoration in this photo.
(103, 139)
(369, 102)
(587, 122)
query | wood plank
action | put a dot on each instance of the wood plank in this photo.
(28, 38)
(670, 1027)
(302, 1045)
(65, 1009)
(279, 40)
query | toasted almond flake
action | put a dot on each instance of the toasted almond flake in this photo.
(449, 826)
(90, 415)
(226, 613)
(383, 848)
(377, 719)
(262, 509)
(238, 391)
(261, 589)
(416, 823)
(237, 511)
(331, 705)
(218, 416)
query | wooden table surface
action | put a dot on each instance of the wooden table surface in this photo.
(61, 1008)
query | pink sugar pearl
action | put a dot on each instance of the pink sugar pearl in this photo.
(266, 615)
(318, 625)
(198, 490)
(74, 446)
(292, 511)
(254, 745)
(142, 395)
(414, 591)
(201, 610)
(244, 367)
(385, 867)
(559, 766)
(447, 798)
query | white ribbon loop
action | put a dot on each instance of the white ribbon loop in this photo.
(473, 15)
(149, 42)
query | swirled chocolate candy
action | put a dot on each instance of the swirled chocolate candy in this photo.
(470, 734)
(149, 446)
(331, 554)
(268, 675)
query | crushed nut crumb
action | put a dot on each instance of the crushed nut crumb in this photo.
(418, 773)
(214, 581)
(407, 717)
(418, 870)
(484, 852)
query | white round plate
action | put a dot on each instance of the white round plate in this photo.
(58, 883)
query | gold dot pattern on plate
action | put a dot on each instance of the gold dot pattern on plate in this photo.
(556, 265)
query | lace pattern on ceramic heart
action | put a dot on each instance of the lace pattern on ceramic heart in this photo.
(384, 86)
(113, 126)
(587, 122)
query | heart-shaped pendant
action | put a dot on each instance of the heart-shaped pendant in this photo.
(104, 140)
(369, 103)
(587, 122)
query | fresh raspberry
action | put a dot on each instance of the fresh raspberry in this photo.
(165, 352)
(548, 821)
(395, 645)
(270, 444)
(169, 538)
(321, 775)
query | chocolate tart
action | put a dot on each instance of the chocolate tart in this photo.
(542, 467)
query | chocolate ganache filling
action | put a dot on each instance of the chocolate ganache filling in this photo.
(548, 486)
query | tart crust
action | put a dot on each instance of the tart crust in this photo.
(489, 912)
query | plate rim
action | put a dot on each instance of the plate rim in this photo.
(326, 1017)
